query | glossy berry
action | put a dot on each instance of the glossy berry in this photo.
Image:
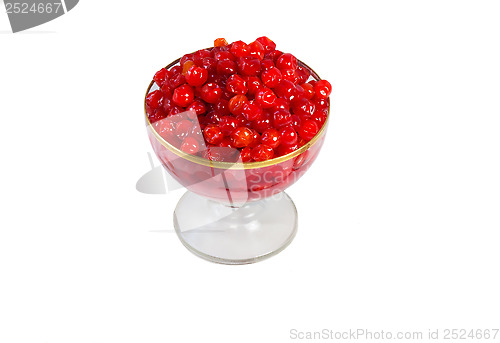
(265, 98)
(242, 121)
(175, 70)
(267, 44)
(262, 124)
(286, 61)
(186, 58)
(262, 152)
(240, 49)
(246, 154)
(286, 149)
(271, 137)
(273, 55)
(220, 42)
(196, 76)
(183, 96)
(149, 110)
(288, 136)
(203, 122)
(226, 95)
(160, 76)
(271, 77)
(254, 84)
(249, 66)
(320, 103)
(213, 117)
(227, 125)
(322, 89)
(222, 107)
(213, 134)
(211, 92)
(303, 107)
(242, 137)
(299, 91)
(286, 90)
(281, 118)
(198, 107)
(251, 111)
(266, 64)
(290, 75)
(190, 145)
(176, 80)
(281, 103)
(236, 85)
(226, 67)
(308, 130)
(224, 55)
(225, 143)
(199, 55)
(303, 74)
(320, 117)
(216, 78)
(209, 63)
(256, 49)
(167, 104)
(186, 66)
(236, 104)
(255, 139)
(154, 99)
(308, 90)
(166, 90)
(174, 110)
(296, 122)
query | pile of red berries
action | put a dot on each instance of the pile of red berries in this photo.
(252, 98)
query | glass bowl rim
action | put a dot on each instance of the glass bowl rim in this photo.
(236, 165)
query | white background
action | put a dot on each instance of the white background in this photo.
(399, 216)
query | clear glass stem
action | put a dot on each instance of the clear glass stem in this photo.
(235, 234)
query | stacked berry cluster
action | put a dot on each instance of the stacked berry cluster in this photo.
(251, 98)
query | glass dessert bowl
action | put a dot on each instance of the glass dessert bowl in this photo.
(234, 212)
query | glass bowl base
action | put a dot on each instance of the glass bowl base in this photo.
(235, 234)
